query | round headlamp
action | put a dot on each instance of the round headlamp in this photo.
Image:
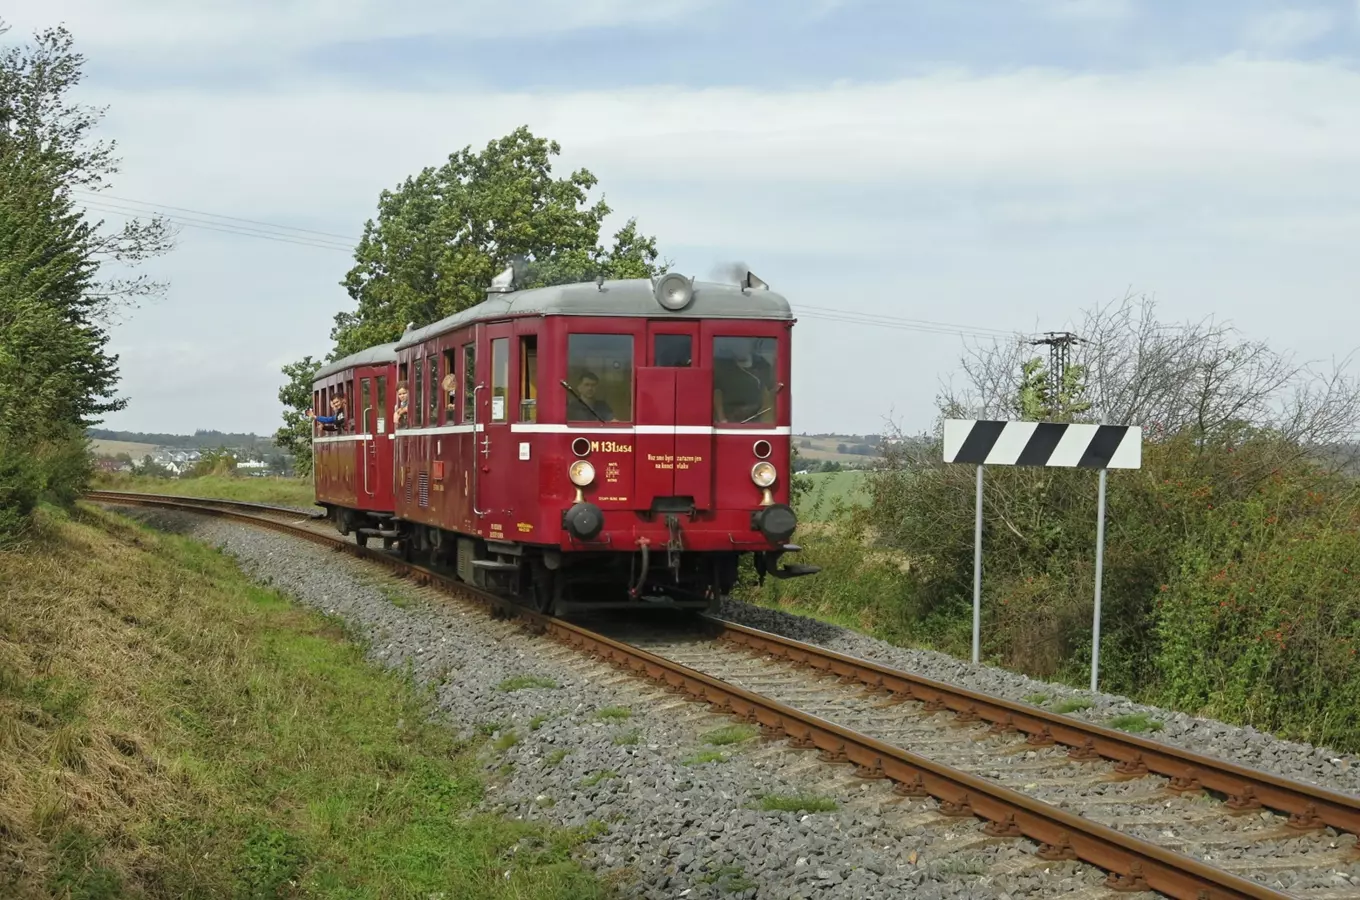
(581, 473)
(763, 474)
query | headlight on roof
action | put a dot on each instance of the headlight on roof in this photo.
(581, 473)
(763, 474)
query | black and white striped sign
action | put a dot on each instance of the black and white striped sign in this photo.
(1054, 444)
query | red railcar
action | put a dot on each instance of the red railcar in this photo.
(352, 460)
(598, 444)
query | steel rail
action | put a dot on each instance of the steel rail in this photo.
(1132, 864)
(1309, 807)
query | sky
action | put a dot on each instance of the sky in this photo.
(990, 165)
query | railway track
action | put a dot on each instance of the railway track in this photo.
(1154, 817)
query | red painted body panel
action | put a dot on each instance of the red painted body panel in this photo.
(353, 468)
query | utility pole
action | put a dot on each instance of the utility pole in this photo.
(1059, 352)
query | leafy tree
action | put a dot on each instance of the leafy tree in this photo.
(295, 435)
(220, 461)
(441, 236)
(56, 376)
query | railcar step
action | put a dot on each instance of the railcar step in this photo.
(495, 565)
(794, 570)
(379, 532)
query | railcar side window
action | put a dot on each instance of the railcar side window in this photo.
(500, 378)
(673, 351)
(434, 390)
(744, 379)
(449, 387)
(469, 381)
(600, 378)
(382, 405)
(528, 378)
(418, 398)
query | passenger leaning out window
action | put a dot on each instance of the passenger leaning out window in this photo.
(401, 416)
(336, 420)
(450, 385)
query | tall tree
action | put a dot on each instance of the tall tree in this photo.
(443, 234)
(56, 374)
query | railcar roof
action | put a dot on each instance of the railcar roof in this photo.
(631, 298)
(383, 353)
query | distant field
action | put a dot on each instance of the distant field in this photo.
(824, 448)
(274, 491)
(827, 489)
(113, 448)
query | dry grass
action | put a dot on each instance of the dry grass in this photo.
(168, 729)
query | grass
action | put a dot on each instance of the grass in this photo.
(613, 714)
(729, 734)
(537, 721)
(829, 488)
(506, 741)
(1136, 723)
(592, 780)
(168, 729)
(1036, 699)
(628, 738)
(555, 757)
(272, 490)
(525, 682)
(703, 757)
(1073, 704)
(729, 879)
(796, 803)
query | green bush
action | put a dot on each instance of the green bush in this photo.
(21, 484)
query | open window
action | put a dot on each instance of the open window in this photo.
(600, 378)
(448, 387)
(401, 411)
(744, 380)
(361, 415)
(382, 405)
(528, 378)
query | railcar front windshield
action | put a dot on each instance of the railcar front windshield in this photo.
(744, 379)
(599, 378)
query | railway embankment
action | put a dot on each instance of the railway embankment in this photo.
(677, 800)
(170, 728)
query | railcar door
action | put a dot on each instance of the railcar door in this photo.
(679, 383)
(495, 445)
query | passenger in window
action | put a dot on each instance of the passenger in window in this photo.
(401, 416)
(583, 405)
(336, 420)
(450, 385)
(743, 386)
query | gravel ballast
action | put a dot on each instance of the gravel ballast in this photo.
(574, 742)
(1244, 745)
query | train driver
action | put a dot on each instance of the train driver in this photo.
(742, 385)
(583, 405)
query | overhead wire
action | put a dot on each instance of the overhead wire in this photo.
(325, 240)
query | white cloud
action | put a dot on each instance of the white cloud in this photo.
(271, 26)
(1002, 199)
(1286, 29)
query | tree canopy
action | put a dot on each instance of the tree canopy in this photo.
(56, 374)
(441, 236)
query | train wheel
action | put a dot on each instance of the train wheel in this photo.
(361, 539)
(547, 588)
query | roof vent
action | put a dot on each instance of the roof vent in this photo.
(751, 282)
(673, 291)
(503, 283)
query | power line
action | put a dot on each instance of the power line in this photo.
(198, 212)
(325, 240)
